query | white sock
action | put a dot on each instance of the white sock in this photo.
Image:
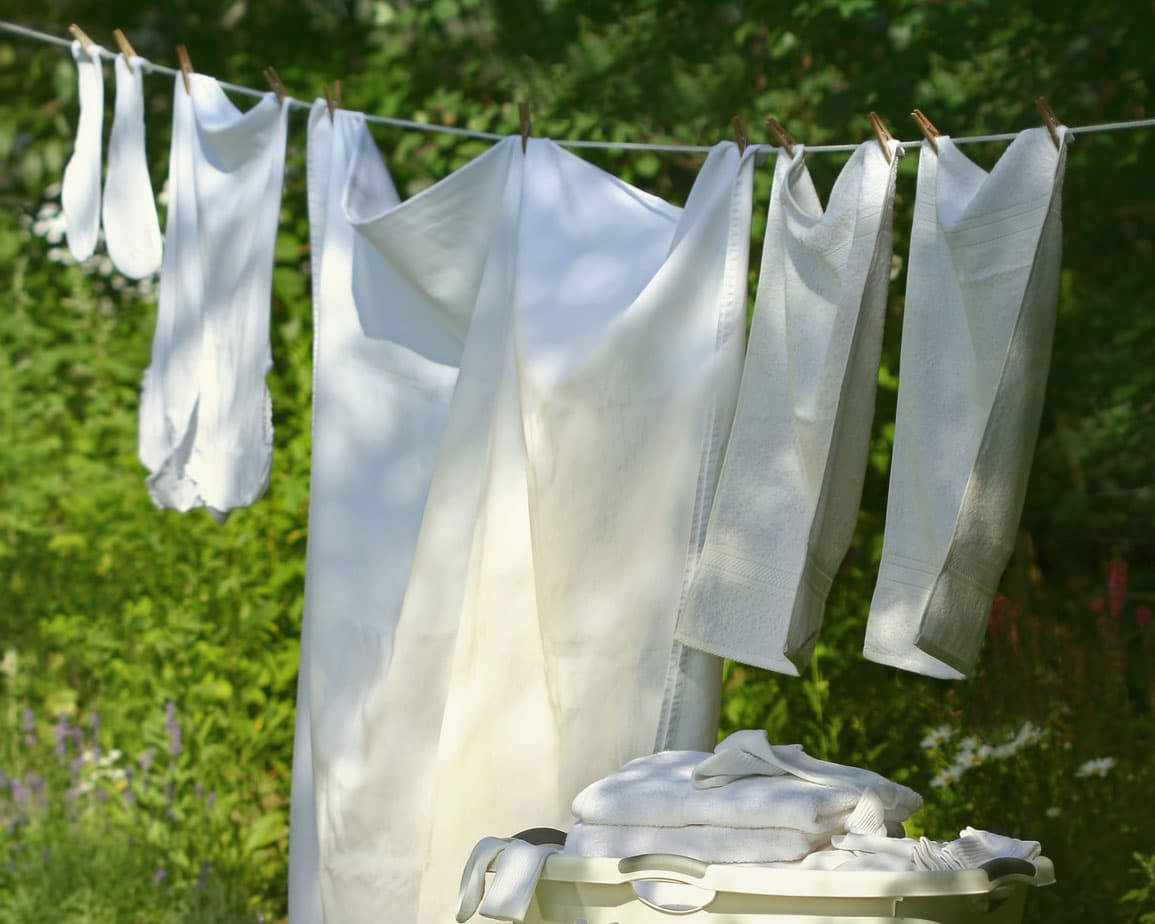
(131, 228)
(80, 192)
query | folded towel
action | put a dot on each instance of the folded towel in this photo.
(657, 791)
(708, 843)
(749, 754)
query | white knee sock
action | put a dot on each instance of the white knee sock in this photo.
(80, 192)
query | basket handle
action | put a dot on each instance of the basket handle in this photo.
(1003, 867)
(663, 863)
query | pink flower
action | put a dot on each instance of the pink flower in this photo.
(1143, 617)
(1116, 586)
(1098, 605)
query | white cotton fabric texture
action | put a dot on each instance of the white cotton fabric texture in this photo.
(515, 878)
(131, 228)
(981, 298)
(749, 754)
(206, 429)
(80, 189)
(707, 843)
(970, 850)
(658, 791)
(787, 503)
(458, 645)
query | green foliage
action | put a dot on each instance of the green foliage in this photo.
(108, 604)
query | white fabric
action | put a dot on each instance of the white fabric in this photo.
(981, 297)
(128, 212)
(206, 430)
(80, 190)
(515, 878)
(458, 642)
(658, 791)
(749, 753)
(791, 483)
(707, 843)
(970, 850)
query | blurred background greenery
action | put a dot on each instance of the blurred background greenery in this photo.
(148, 659)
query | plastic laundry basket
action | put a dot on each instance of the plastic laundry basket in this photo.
(659, 888)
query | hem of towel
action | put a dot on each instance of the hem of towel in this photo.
(767, 590)
(917, 588)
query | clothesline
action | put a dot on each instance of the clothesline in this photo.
(292, 102)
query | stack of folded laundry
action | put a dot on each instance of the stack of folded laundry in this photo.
(748, 802)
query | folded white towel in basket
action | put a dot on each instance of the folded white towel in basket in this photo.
(707, 843)
(749, 754)
(657, 791)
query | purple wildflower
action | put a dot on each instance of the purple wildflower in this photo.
(35, 782)
(203, 878)
(210, 801)
(173, 728)
(145, 760)
(129, 797)
(19, 791)
(45, 855)
(101, 795)
(158, 876)
(199, 790)
(61, 732)
(29, 719)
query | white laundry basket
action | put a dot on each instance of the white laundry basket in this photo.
(661, 888)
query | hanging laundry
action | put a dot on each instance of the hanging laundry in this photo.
(791, 482)
(438, 652)
(981, 297)
(206, 430)
(80, 190)
(131, 228)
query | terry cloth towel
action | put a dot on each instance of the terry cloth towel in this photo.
(658, 791)
(206, 429)
(970, 850)
(981, 298)
(749, 754)
(791, 483)
(80, 190)
(519, 866)
(433, 574)
(707, 843)
(131, 228)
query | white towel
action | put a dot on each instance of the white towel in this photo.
(791, 483)
(454, 659)
(128, 212)
(80, 190)
(658, 791)
(206, 430)
(707, 843)
(981, 298)
(749, 753)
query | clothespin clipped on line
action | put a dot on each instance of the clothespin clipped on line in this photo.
(334, 101)
(186, 68)
(526, 124)
(1049, 118)
(740, 134)
(883, 136)
(126, 48)
(86, 43)
(783, 137)
(928, 129)
(275, 83)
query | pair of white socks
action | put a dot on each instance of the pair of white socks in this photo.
(127, 208)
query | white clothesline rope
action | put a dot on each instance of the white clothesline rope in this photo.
(290, 101)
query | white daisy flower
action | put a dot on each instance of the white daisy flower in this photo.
(1053, 812)
(945, 778)
(1097, 767)
(937, 736)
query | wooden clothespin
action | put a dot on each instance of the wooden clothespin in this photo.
(332, 101)
(884, 137)
(275, 83)
(126, 48)
(186, 68)
(1049, 118)
(783, 137)
(928, 129)
(740, 134)
(86, 43)
(526, 124)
